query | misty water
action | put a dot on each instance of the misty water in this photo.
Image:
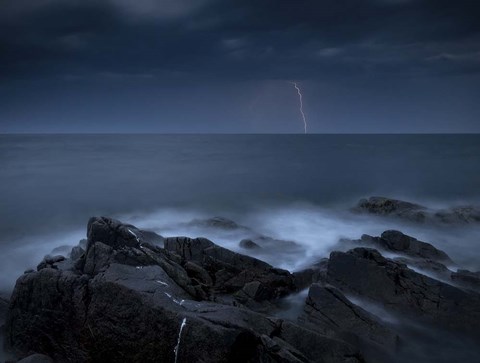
(291, 187)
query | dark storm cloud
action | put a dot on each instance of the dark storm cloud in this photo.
(237, 39)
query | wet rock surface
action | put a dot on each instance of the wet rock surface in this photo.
(366, 272)
(125, 300)
(397, 242)
(129, 295)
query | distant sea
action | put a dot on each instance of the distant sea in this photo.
(291, 186)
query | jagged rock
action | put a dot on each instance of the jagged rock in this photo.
(366, 272)
(328, 311)
(131, 301)
(426, 266)
(83, 243)
(50, 262)
(151, 237)
(315, 273)
(36, 358)
(231, 272)
(111, 232)
(61, 250)
(398, 242)
(77, 252)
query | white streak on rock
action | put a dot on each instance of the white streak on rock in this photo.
(175, 300)
(177, 347)
(134, 235)
(161, 282)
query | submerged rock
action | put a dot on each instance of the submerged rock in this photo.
(248, 244)
(392, 207)
(216, 222)
(459, 215)
(417, 213)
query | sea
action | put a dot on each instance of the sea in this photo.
(298, 188)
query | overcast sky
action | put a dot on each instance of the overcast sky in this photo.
(226, 65)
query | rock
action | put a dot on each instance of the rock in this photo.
(467, 278)
(392, 207)
(417, 213)
(217, 222)
(231, 272)
(366, 272)
(111, 232)
(83, 243)
(276, 245)
(254, 240)
(61, 250)
(426, 266)
(77, 252)
(315, 273)
(328, 311)
(459, 215)
(36, 358)
(3, 309)
(50, 262)
(131, 301)
(199, 273)
(151, 237)
(248, 244)
(395, 241)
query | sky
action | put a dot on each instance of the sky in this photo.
(217, 66)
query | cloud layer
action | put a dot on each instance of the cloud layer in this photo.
(306, 39)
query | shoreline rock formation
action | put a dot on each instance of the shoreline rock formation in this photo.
(131, 295)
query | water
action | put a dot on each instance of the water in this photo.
(293, 187)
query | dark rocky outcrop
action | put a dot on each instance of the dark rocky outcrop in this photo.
(312, 274)
(263, 245)
(397, 242)
(250, 280)
(128, 300)
(427, 267)
(366, 272)
(128, 295)
(329, 312)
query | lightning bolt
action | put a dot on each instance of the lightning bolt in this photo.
(301, 106)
